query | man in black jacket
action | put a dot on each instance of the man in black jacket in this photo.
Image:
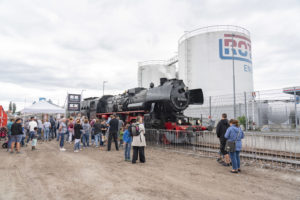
(113, 132)
(221, 130)
(16, 135)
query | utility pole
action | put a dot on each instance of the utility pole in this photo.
(296, 117)
(246, 110)
(233, 78)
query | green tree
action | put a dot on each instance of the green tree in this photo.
(14, 108)
(10, 106)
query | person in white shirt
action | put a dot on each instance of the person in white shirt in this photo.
(32, 124)
(46, 127)
(139, 142)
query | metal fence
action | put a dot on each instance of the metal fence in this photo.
(267, 150)
(269, 110)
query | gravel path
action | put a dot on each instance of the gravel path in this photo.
(94, 173)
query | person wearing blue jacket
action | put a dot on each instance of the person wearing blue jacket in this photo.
(127, 141)
(235, 133)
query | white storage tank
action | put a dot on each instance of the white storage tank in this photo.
(152, 71)
(206, 60)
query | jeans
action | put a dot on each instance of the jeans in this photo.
(53, 132)
(77, 144)
(23, 141)
(67, 136)
(40, 132)
(57, 138)
(127, 151)
(235, 159)
(92, 139)
(46, 133)
(101, 139)
(86, 140)
(16, 138)
(97, 138)
(9, 142)
(61, 135)
(30, 136)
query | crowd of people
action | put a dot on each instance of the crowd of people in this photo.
(83, 132)
(230, 136)
(98, 133)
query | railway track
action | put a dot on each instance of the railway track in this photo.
(208, 146)
(264, 156)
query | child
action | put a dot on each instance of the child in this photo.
(127, 141)
(71, 130)
(34, 139)
(77, 134)
(121, 137)
(103, 132)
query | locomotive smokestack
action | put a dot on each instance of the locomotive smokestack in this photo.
(151, 85)
(163, 80)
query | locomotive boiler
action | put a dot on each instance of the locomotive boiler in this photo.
(162, 106)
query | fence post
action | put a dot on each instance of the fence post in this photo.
(253, 114)
(246, 110)
(296, 117)
(210, 107)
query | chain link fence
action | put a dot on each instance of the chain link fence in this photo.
(264, 150)
(269, 110)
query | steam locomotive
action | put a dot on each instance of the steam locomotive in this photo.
(161, 106)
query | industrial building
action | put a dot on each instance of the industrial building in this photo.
(151, 71)
(218, 59)
(205, 60)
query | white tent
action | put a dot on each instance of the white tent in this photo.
(43, 107)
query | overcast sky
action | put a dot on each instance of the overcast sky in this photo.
(49, 48)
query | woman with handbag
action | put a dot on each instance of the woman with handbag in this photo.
(234, 136)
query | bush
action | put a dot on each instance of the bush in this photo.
(242, 120)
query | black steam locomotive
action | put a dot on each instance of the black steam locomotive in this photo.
(162, 106)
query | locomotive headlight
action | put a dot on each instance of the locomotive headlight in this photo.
(179, 122)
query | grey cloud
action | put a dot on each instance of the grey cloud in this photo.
(78, 44)
(34, 76)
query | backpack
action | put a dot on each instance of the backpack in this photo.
(71, 125)
(52, 122)
(134, 130)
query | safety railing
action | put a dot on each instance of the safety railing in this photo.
(206, 29)
(264, 150)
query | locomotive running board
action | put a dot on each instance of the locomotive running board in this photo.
(196, 97)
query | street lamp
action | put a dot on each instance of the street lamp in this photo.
(103, 86)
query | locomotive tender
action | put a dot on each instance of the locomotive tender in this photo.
(162, 106)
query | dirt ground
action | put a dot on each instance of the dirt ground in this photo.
(94, 173)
